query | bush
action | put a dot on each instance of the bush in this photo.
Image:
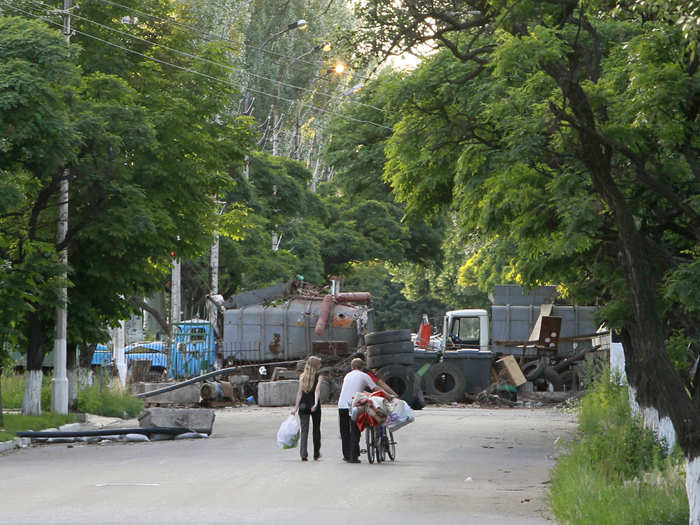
(617, 472)
(110, 401)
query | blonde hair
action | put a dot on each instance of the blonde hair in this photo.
(357, 364)
(313, 364)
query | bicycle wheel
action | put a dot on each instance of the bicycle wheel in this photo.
(379, 442)
(390, 445)
(369, 440)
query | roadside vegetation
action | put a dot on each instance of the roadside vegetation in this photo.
(100, 399)
(616, 471)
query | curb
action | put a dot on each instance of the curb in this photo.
(14, 444)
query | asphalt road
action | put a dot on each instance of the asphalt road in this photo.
(454, 465)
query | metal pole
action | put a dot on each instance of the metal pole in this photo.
(174, 307)
(213, 311)
(59, 385)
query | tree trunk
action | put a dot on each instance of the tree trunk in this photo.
(72, 374)
(31, 404)
(2, 419)
(692, 487)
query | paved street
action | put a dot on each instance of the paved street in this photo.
(454, 465)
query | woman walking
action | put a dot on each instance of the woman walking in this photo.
(308, 404)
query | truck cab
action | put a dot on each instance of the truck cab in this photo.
(466, 329)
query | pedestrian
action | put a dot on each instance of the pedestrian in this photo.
(308, 404)
(355, 381)
(378, 380)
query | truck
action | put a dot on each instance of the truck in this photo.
(548, 339)
(192, 352)
(291, 321)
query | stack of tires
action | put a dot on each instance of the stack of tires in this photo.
(391, 353)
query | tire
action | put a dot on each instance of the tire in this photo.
(391, 359)
(378, 443)
(399, 347)
(369, 442)
(400, 379)
(387, 336)
(390, 445)
(534, 370)
(553, 377)
(419, 398)
(444, 383)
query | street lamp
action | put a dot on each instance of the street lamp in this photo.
(299, 24)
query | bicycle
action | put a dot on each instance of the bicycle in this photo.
(380, 443)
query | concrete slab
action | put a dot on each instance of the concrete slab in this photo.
(277, 393)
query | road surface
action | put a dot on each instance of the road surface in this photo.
(456, 465)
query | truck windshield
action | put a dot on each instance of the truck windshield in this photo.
(465, 330)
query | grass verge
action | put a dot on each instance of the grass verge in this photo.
(105, 400)
(17, 423)
(616, 472)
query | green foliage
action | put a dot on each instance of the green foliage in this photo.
(616, 471)
(111, 401)
(19, 423)
(393, 310)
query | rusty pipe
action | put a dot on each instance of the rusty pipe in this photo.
(354, 297)
(324, 314)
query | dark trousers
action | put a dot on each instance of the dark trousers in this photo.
(349, 434)
(304, 438)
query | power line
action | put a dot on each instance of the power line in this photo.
(206, 60)
(195, 72)
(192, 29)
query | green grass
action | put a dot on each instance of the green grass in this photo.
(616, 472)
(17, 422)
(13, 391)
(103, 400)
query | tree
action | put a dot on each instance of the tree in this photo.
(566, 136)
(147, 153)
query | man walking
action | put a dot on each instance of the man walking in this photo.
(355, 381)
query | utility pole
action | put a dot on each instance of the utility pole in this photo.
(59, 385)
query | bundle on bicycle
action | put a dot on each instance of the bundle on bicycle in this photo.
(379, 418)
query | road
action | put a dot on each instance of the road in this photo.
(454, 465)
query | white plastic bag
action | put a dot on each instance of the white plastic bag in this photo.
(401, 415)
(288, 434)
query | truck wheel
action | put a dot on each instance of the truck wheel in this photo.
(400, 380)
(390, 359)
(400, 347)
(419, 400)
(444, 383)
(387, 336)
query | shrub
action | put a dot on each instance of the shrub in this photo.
(616, 471)
(110, 401)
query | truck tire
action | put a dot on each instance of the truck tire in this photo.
(419, 399)
(400, 347)
(444, 383)
(387, 336)
(390, 359)
(400, 379)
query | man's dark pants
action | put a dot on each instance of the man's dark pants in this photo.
(349, 434)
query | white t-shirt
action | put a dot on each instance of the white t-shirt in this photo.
(355, 381)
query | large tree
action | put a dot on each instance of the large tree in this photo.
(566, 136)
(147, 153)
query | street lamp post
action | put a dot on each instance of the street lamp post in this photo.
(299, 24)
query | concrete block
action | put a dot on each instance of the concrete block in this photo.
(7, 445)
(187, 395)
(277, 393)
(196, 419)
